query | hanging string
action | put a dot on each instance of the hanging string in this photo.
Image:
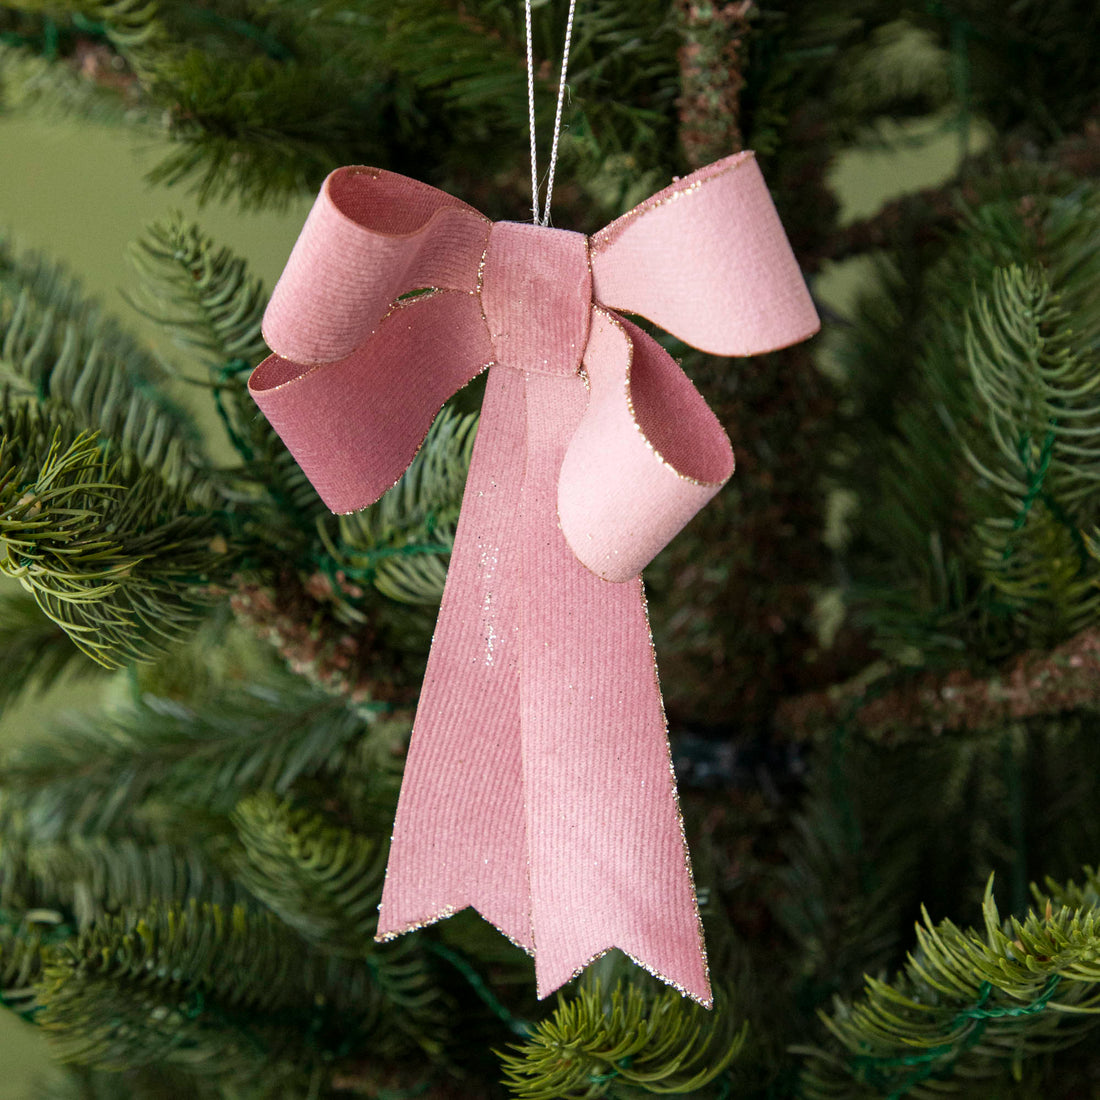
(544, 217)
(557, 112)
(531, 119)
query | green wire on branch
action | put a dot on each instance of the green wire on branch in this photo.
(966, 1005)
(401, 544)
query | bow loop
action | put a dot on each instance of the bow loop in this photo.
(339, 389)
(647, 455)
(708, 261)
(370, 237)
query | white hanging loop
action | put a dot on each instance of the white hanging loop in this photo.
(544, 218)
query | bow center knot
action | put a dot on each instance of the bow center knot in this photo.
(536, 295)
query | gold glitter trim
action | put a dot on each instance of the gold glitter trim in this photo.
(481, 285)
(454, 204)
(592, 306)
(399, 302)
(683, 991)
(617, 322)
(675, 191)
(443, 914)
(481, 276)
(679, 811)
(416, 926)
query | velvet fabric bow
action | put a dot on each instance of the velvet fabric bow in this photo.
(539, 787)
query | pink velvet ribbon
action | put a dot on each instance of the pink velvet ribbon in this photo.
(539, 787)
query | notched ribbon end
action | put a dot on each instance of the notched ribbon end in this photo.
(506, 924)
(695, 986)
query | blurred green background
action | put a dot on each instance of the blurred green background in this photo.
(76, 192)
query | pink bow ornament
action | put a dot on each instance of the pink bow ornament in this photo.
(538, 787)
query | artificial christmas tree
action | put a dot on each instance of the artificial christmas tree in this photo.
(189, 878)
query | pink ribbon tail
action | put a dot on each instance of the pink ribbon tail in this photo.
(460, 835)
(539, 787)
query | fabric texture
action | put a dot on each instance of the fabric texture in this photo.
(539, 786)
